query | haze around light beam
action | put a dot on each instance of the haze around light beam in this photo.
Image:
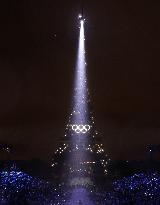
(80, 85)
(80, 122)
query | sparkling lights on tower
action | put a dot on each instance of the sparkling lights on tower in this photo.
(81, 158)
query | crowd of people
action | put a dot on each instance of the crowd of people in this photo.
(140, 188)
(18, 188)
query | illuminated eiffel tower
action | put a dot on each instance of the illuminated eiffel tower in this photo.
(81, 156)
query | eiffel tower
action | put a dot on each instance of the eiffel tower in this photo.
(80, 159)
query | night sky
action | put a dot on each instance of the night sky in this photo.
(38, 47)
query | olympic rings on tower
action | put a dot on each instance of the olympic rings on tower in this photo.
(80, 128)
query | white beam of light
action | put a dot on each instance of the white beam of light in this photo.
(80, 128)
(80, 91)
(79, 121)
(80, 105)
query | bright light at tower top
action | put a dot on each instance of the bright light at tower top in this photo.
(81, 18)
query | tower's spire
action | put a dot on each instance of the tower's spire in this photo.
(81, 16)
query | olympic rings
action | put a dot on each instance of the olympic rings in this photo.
(80, 128)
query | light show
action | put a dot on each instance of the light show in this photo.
(79, 120)
(80, 103)
(80, 146)
(81, 156)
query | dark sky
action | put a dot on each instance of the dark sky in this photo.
(38, 42)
